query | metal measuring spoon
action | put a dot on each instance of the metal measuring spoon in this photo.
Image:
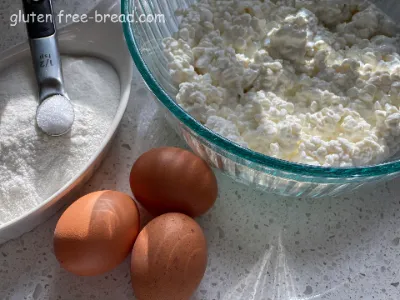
(55, 114)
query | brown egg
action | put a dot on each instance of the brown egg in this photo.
(173, 180)
(96, 233)
(169, 258)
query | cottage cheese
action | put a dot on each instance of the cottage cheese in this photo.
(309, 81)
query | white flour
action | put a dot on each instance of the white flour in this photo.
(33, 166)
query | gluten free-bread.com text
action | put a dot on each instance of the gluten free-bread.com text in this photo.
(63, 17)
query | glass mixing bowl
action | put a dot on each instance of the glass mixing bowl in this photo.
(144, 40)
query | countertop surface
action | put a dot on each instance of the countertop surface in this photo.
(260, 246)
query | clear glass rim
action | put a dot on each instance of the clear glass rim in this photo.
(231, 147)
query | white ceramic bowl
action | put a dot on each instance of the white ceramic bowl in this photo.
(101, 40)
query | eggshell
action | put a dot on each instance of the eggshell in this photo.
(169, 258)
(173, 180)
(96, 233)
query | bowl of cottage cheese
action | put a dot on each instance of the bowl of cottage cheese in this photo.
(294, 97)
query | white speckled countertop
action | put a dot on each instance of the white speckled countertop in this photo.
(261, 247)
